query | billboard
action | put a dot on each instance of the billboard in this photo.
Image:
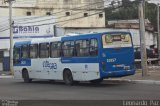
(26, 28)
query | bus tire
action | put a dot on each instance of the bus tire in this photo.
(67, 77)
(25, 76)
(97, 81)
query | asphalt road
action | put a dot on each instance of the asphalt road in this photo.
(44, 90)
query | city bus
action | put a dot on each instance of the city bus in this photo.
(84, 57)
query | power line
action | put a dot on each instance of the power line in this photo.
(60, 21)
(56, 18)
(4, 29)
(95, 3)
(69, 19)
(57, 12)
(65, 20)
(78, 7)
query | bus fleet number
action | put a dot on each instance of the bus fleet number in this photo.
(111, 60)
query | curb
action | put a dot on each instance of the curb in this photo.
(136, 81)
(147, 82)
(5, 76)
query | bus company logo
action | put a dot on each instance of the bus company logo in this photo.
(48, 65)
(25, 29)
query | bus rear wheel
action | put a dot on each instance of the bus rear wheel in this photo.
(97, 81)
(25, 76)
(67, 77)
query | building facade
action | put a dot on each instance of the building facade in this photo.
(68, 13)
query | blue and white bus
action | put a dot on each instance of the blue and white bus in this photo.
(86, 57)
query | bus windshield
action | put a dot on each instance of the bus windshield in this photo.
(116, 40)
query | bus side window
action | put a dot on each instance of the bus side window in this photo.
(82, 47)
(44, 50)
(55, 49)
(68, 48)
(77, 48)
(25, 51)
(93, 47)
(33, 50)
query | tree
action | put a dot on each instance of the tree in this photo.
(129, 10)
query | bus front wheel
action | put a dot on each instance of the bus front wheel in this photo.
(67, 77)
(25, 76)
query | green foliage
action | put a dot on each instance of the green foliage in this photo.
(129, 10)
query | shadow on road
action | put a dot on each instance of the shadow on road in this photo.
(106, 83)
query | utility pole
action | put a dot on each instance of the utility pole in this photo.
(142, 39)
(158, 34)
(11, 33)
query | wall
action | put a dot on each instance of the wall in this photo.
(77, 8)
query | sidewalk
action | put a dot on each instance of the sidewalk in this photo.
(5, 73)
(153, 77)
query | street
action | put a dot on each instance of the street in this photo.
(44, 90)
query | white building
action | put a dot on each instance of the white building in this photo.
(34, 27)
(69, 13)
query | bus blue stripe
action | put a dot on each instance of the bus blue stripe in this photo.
(79, 59)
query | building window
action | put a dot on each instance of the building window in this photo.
(100, 15)
(48, 13)
(28, 13)
(68, 13)
(85, 14)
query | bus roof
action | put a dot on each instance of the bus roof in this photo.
(41, 40)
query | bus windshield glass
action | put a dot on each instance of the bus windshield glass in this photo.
(116, 40)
